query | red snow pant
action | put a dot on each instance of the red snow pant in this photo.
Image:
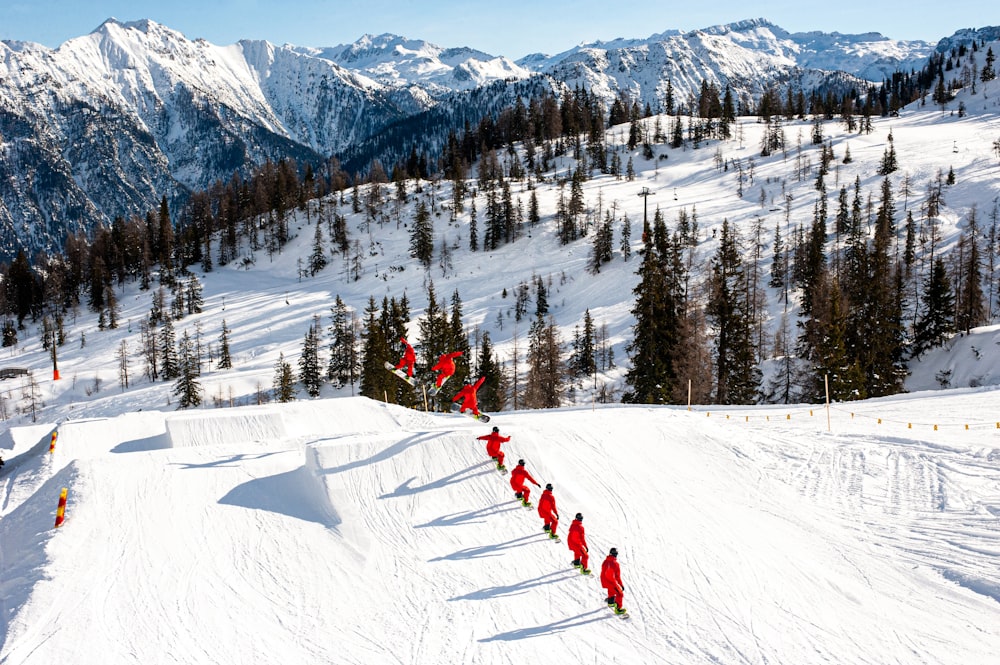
(580, 552)
(616, 593)
(552, 521)
(523, 489)
(406, 364)
(498, 457)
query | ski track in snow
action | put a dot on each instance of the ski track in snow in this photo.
(348, 531)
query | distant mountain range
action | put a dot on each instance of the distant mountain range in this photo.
(109, 122)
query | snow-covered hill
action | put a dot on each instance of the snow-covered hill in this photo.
(350, 531)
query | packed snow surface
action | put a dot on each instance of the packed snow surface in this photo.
(350, 531)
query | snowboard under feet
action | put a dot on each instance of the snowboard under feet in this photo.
(401, 374)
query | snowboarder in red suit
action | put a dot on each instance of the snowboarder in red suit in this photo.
(493, 441)
(445, 365)
(611, 580)
(576, 540)
(467, 395)
(517, 483)
(547, 511)
(409, 358)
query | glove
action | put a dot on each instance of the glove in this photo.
(622, 586)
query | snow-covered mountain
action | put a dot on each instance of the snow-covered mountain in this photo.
(109, 122)
(399, 62)
(749, 55)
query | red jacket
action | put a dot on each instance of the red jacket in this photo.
(446, 363)
(469, 401)
(576, 538)
(547, 505)
(611, 573)
(493, 441)
(408, 353)
(517, 477)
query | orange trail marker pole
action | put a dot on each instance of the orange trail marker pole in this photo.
(52, 443)
(61, 510)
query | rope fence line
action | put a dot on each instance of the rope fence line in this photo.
(876, 420)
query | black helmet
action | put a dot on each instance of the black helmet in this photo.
(496, 429)
(579, 516)
(614, 552)
(520, 462)
(548, 486)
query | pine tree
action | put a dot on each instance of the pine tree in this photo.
(937, 319)
(437, 335)
(603, 245)
(317, 259)
(541, 297)
(655, 331)
(626, 238)
(170, 365)
(473, 228)
(187, 389)
(878, 315)
(544, 383)
(779, 262)
(737, 374)
(192, 295)
(283, 387)
(422, 236)
(310, 374)
(970, 307)
(343, 365)
(225, 359)
(459, 337)
(834, 361)
(585, 360)
(492, 394)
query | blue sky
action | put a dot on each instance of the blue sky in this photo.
(502, 27)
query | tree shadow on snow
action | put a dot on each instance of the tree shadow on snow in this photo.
(517, 587)
(488, 550)
(457, 477)
(455, 519)
(550, 628)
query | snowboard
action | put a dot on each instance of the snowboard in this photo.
(482, 417)
(435, 389)
(401, 374)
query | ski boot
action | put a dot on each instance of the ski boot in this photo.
(525, 503)
(611, 601)
(546, 528)
(620, 610)
(553, 535)
(585, 571)
(576, 563)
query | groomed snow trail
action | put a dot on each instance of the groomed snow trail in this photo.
(349, 531)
